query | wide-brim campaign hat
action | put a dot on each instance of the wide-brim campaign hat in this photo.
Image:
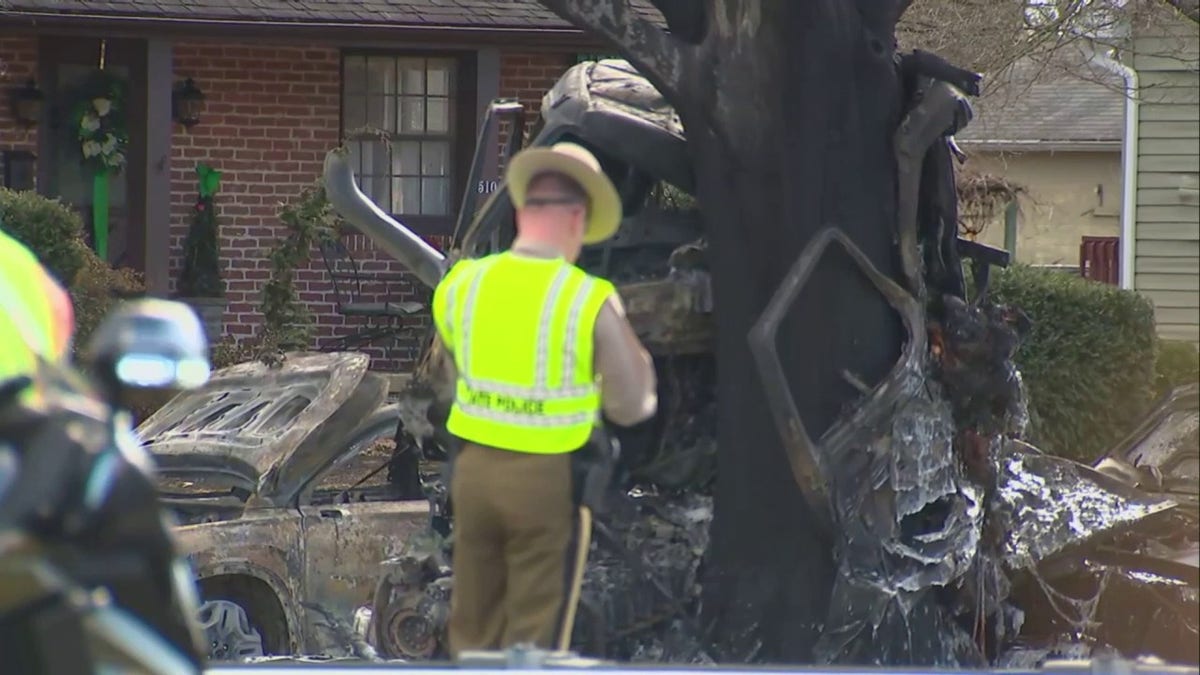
(575, 162)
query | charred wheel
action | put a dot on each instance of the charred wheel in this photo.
(228, 632)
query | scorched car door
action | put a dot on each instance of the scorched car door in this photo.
(344, 546)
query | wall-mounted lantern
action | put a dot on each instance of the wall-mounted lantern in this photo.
(188, 101)
(27, 104)
(19, 169)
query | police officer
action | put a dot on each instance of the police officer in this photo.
(36, 318)
(540, 348)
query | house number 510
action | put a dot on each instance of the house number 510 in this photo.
(488, 186)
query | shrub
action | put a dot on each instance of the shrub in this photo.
(1088, 362)
(48, 227)
(1178, 364)
(94, 291)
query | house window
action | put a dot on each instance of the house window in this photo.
(398, 119)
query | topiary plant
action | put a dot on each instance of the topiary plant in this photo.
(201, 274)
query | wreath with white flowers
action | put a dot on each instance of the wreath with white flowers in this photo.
(99, 123)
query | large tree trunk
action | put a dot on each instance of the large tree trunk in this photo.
(790, 109)
(794, 136)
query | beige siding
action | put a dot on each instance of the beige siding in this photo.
(1167, 248)
(1070, 195)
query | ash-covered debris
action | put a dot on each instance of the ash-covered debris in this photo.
(1051, 503)
(685, 458)
(915, 528)
(641, 589)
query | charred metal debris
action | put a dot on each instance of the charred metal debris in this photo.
(957, 543)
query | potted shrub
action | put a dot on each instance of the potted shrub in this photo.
(200, 284)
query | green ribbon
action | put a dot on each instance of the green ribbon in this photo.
(210, 180)
(100, 213)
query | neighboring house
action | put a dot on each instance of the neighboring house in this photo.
(1056, 133)
(1164, 252)
(283, 81)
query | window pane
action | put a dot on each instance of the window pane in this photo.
(434, 196)
(434, 158)
(407, 159)
(380, 189)
(375, 160)
(412, 115)
(412, 76)
(439, 78)
(355, 157)
(381, 75)
(354, 112)
(380, 113)
(439, 116)
(356, 74)
(406, 195)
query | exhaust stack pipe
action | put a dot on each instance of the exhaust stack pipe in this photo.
(400, 242)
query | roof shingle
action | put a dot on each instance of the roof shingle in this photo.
(525, 14)
(1082, 104)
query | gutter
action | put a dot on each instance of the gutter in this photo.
(1016, 145)
(1129, 162)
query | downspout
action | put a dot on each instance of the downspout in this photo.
(1129, 163)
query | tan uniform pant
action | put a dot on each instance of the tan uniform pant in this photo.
(513, 529)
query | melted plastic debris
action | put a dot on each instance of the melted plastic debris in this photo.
(1052, 503)
(923, 467)
(895, 552)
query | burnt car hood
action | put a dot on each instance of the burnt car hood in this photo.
(265, 429)
(1163, 453)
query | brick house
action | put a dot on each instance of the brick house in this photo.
(283, 81)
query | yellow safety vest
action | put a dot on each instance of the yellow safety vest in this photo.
(34, 323)
(520, 329)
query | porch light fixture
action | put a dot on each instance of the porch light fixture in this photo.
(188, 101)
(27, 104)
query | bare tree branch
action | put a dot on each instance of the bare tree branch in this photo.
(656, 54)
(1188, 8)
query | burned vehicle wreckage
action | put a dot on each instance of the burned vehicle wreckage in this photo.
(958, 543)
(268, 472)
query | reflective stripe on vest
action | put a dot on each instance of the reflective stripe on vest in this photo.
(521, 332)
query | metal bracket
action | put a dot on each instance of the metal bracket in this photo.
(984, 257)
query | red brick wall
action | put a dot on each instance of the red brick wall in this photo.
(527, 76)
(271, 113)
(18, 64)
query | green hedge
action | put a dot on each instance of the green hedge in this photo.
(1178, 364)
(49, 228)
(1089, 361)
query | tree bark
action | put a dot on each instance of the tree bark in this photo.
(789, 109)
(810, 147)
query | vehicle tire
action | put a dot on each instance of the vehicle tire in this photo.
(228, 632)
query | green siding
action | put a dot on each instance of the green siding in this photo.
(1167, 250)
